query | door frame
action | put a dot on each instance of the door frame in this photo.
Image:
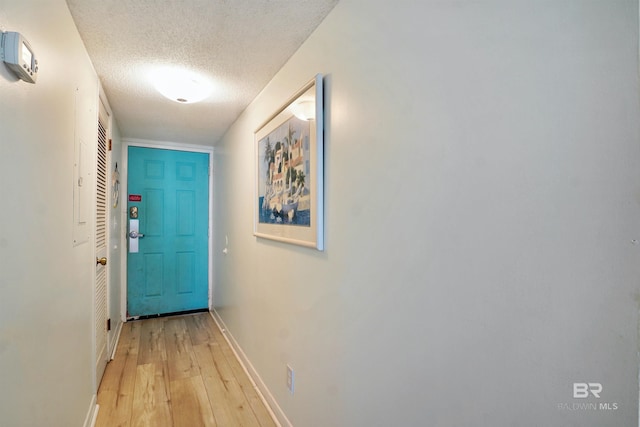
(103, 115)
(124, 180)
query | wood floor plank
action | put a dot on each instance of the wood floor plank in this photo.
(152, 344)
(181, 360)
(200, 329)
(116, 389)
(190, 403)
(127, 350)
(236, 381)
(229, 408)
(112, 414)
(130, 337)
(247, 387)
(177, 339)
(116, 401)
(151, 404)
(177, 371)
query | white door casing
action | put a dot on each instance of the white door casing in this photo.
(100, 296)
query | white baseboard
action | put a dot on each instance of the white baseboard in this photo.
(274, 409)
(92, 413)
(117, 338)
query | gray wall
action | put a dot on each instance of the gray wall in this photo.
(482, 219)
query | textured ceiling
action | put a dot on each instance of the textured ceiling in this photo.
(238, 44)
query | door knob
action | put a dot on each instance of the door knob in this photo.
(135, 235)
(102, 261)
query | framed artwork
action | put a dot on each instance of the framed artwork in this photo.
(288, 201)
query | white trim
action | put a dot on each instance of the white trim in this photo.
(267, 398)
(116, 339)
(124, 178)
(92, 413)
(112, 282)
(136, 142)
(104, 115)
(123, 235)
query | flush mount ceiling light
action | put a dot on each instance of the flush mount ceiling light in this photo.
(181, 86)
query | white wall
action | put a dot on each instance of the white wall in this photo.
(482, 219)
(46, 299)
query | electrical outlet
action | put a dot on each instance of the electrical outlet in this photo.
(290, 379)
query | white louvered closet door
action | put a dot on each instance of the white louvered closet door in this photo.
(101, 246)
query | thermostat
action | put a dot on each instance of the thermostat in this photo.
(18, 54)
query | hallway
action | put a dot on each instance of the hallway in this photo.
(480, 213)
(177, 371)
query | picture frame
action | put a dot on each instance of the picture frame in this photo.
(289, 170)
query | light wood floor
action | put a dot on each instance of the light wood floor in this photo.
(177, 371)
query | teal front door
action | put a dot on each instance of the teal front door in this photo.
(167, 262)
